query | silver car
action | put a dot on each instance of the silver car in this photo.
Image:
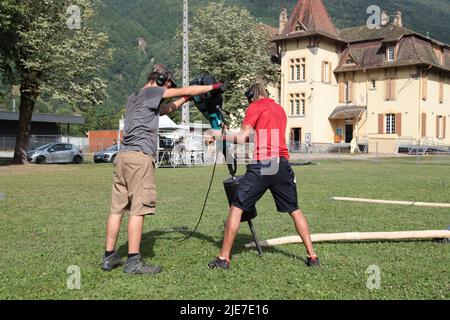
(108, 155)
(56, 153)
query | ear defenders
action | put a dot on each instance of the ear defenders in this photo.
(162, 79)
(249, 94)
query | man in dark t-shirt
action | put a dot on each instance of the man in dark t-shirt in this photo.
(269, 170)
(134, 188)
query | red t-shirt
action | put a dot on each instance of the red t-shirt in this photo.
(269, 121)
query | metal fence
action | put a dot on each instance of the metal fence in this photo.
(8, 143)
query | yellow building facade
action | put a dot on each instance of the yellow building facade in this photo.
(358, 86)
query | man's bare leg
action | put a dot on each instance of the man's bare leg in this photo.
(303, 230)
(112, 231)
(231, 231)
(135, 229)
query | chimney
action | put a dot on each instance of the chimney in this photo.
(384, 18)
(398, 21)
(283, 20)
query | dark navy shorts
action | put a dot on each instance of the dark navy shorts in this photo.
(255, 183)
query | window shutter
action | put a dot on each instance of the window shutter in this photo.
(388, 89)
(350, 90)
(425, 86)
(323, 71)
(330, 72)
(424, 124)
(437, 126)
(441, 88)
(398, 124)
(444, 127)
(341, 91)
(380, 123)
(393, 89)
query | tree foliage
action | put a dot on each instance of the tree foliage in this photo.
(44, 55)
(236, 53)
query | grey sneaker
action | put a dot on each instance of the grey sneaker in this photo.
(135, 265)
(111, 262)
(218, 263)
(313, 262)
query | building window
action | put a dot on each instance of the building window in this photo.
(440, 127)
(390, 89)
(373, 85)
(390, 123)
(297, 104)
(347, 91)
(298, 69)
(390, 54)
(326, 71)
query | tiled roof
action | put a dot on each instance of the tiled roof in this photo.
(313, 15)
(412, 50)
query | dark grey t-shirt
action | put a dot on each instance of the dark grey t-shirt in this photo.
(142, 121)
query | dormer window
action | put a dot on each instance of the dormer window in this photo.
(390, 54)
(300, 27)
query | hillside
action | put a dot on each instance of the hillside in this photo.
(157, 21)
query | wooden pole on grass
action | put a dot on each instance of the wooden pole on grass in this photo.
(358, 236)
(402, 203)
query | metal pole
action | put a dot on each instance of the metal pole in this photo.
(185, 112)
(255, 238)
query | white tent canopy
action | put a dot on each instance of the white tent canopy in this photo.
(166, 123)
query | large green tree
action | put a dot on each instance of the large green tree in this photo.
(49, 46)
(228, 42)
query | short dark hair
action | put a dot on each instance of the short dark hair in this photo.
(153, 76)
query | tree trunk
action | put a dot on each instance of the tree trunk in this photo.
(28, 96)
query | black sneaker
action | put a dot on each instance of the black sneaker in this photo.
(218, 263)
(313, 262)
(135, 265)
(111, 262)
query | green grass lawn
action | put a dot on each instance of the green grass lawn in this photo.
(54, 217)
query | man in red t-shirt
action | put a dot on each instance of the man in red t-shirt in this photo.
(269, 170)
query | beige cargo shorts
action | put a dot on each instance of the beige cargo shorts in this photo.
(134, 188)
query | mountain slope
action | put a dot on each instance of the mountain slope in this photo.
(157, 22)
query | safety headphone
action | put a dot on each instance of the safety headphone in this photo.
(162, 79)
(249, 94)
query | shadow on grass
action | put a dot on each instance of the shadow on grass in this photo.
(180, 234)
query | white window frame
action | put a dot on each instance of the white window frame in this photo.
(297, 104)
(391, 54)
(390, 123)
(326, 72)
(441, 127)
(297, 69)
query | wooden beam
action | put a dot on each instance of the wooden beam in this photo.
(359, 236)
(402, 203)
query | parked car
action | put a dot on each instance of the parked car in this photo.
(108, 155)
(56, 153)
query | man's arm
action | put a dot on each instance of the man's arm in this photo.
(191, 91)
(239, 138)
(173, 106)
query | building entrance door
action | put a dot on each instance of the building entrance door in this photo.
(296, 139)
(348, 133)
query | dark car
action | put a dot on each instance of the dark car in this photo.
(108, 155)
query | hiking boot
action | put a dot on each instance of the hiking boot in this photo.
(313, 262)
(218, 263)
(111, 262)
(135, 265)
